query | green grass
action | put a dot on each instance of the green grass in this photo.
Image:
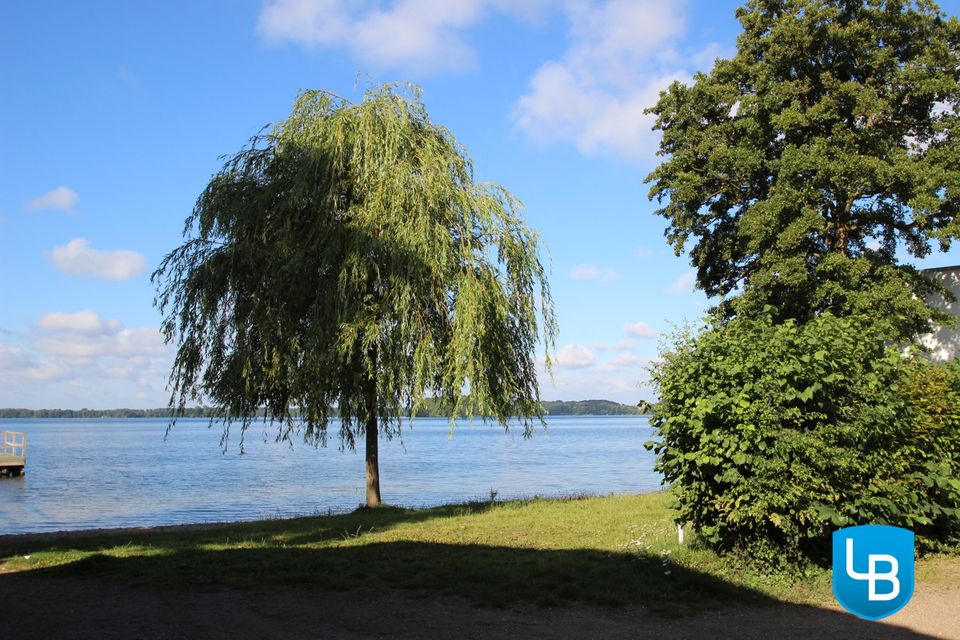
(612, 551)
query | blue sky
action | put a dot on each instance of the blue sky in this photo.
(115, 113)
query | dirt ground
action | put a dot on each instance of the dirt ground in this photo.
(38, 606)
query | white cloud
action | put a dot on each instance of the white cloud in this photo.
(574, 356)
(60, 199)
(77, 258)
(620, 385)
(128, 78)
(684, 283)
(419, 34)
(84, 335)
(79, 359)
(593, 272)
(13, 357)
(85, 321)
(16, 361)
(620, 379)
(120, 373)
(705, 58)
(620, 56)
(46, 372)
(624, 361)
(623, 345)
(642, 252)
(640, 330)
(122, 343)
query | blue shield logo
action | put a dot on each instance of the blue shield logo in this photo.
(873, 569)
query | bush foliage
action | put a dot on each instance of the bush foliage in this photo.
(776, 434)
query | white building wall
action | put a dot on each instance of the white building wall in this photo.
(944, 343)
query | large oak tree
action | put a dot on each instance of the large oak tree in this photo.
(801, 166)
(347, 263)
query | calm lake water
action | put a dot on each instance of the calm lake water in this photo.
(85, 474)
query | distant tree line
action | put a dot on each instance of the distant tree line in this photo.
(589, 408)
(194, 412)
(431, 408)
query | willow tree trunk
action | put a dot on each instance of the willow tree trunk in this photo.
(373, 452)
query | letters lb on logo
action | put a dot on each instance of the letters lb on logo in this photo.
(873, 569)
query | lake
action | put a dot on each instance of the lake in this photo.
(84, 474)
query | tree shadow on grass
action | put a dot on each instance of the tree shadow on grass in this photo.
(488, 576)
(285, 531)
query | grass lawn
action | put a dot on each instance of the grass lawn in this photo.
(611, 550)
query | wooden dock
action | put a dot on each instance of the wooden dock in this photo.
(13, 453)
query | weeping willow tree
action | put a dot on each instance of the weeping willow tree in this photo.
(347, 264)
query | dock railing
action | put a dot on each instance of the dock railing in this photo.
(13, 452)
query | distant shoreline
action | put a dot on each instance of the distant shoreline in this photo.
(552, 408)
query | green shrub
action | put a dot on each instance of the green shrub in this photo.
(774, 435)
(933, 391)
